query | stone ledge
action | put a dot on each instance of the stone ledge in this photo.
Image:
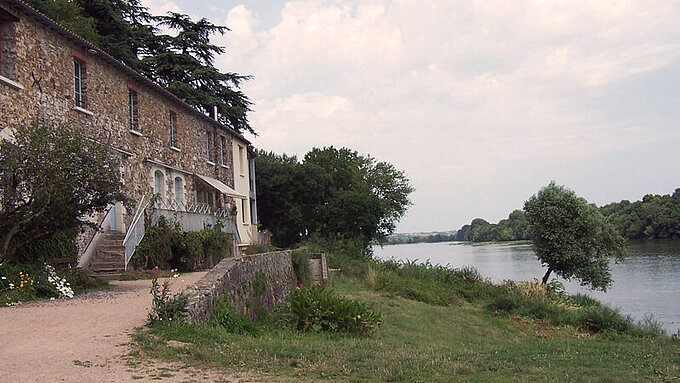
(11, 83)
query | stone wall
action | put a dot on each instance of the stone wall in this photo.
(241, 280)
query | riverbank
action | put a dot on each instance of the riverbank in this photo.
(438, 324)
(645, 283)
(462, 342)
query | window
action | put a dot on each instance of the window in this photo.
(243, 210)
(173, 118)
(178, 191)
(78, 79)
(208, 143)
(222, 151)
(253, 212)
(134, 114)
(240, 159)
(159, 183)
(7, 48)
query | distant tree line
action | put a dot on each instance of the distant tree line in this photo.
(397, 240)
(514, 228)
(656, 216)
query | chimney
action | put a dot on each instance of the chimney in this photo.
(215, 112)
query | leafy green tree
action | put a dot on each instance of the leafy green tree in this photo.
(332, 193)
(50, 177)
(71, 15)
(571, 237)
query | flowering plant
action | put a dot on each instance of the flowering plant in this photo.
(60, 284)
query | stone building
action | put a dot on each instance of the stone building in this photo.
(200, 169)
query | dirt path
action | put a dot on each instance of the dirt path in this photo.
(83, 339)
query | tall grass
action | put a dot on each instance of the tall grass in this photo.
(444, 286)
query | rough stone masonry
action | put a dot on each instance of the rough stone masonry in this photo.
(235, 277)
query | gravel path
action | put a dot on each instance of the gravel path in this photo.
(84, 339)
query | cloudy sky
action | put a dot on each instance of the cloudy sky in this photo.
(481, 103)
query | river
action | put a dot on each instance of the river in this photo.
(646, 283)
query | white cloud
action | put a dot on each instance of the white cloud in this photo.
(461, 94)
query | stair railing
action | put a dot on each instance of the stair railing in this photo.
(135, 232)
(94, 240)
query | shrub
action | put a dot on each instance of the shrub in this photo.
(165, 307)
(52, 175)
(166, 246)
(300, 258)
(80, 280)
(226, 317)
(598, 319)
(319, 309)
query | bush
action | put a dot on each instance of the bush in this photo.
(300, 258)
(165, 307)
(226, 317)
(318, 309)
(166, 246)
(598, 319)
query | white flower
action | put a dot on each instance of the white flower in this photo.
(11, 285)
(3, 278)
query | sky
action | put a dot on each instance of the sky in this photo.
(480, 103)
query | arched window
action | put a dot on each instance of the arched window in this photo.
(159, 183)
(178, 191)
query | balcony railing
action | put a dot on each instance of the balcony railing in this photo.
(195, 216)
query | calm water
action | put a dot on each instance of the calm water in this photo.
(647, 282)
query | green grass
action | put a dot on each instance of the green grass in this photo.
(421, 342)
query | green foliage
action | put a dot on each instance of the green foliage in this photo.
(165, 307)
(420, 343)
(655, 216)
(52, 175)
(166, 246)
(71, 15)
(61, 245)
(20, 282)
(601, 318)
(433, 238)
(226, 317)
(332, 193)
(514, 228)
(571, 237)
(318, 309)
(300, 258)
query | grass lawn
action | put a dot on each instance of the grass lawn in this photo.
(418, 342)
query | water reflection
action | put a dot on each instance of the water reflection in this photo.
(645, 283)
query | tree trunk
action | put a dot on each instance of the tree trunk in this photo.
(546, 276)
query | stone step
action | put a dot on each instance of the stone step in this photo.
(100, 263)
(114, 234)
(111, 248)
(110, 242)
(109, 276)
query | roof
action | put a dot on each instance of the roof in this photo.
(94, 50)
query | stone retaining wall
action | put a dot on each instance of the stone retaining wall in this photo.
(252, 283)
